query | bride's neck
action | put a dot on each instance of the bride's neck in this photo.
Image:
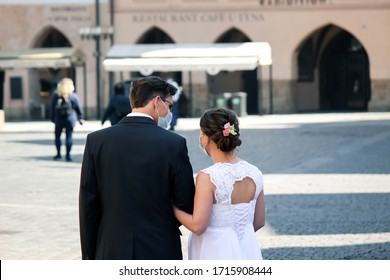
(219, 156)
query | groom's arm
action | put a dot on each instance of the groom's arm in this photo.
(183, 183)
(203, 202)
(89, 206)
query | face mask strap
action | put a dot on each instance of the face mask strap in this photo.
(158, 113)
(164, 121)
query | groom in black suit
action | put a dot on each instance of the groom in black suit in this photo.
(131, 175)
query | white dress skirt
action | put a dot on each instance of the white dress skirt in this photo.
(224, 241)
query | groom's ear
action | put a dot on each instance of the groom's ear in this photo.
(155, 100)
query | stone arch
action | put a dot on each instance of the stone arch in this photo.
(237, 81)
(46, 79)
(155, 35)
(50, 37)
(233, 34)
(332, 71)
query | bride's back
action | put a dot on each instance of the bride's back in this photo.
(235, 183)
(237, 187)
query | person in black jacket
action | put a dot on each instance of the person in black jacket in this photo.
(132, 173)
(65, 111)
(118, 107)
(176, 98)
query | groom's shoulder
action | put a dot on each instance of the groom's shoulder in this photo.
(100, 133)
(173, 136)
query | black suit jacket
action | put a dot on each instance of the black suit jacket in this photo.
(131, 174)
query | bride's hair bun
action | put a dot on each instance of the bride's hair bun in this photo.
(213, 123)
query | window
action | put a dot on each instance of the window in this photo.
(16, 88)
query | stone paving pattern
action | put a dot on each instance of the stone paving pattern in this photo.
(327, 186)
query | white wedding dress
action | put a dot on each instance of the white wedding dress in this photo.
(230, 233)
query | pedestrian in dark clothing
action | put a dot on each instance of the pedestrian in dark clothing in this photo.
(176, 97)
(118, 107)
(65, 111)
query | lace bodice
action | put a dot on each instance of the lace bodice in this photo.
(224, 175)
(223, 213)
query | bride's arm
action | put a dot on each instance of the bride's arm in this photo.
(259, 220)
(203, 202)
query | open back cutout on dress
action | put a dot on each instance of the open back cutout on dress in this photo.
(243, 191)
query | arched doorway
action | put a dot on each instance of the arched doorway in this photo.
(238, 81)
(333, 69)
(48, 78)
(344, 74)
(157, 36)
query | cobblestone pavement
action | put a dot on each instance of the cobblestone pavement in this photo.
(327, 185)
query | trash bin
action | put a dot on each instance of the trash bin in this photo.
(237, 103)
(219, 100)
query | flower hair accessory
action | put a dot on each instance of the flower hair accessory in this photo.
(228, 129)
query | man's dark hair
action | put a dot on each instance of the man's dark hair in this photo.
(145, 89)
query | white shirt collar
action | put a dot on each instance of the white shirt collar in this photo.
(138, 114)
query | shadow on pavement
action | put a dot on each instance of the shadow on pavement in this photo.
(76, 158)
(323, 148)
(49, 142)
(374, 251)
(316, 214)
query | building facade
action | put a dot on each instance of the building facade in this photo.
(41, 24)
(327, 55)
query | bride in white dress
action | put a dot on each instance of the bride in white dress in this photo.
(229, 202)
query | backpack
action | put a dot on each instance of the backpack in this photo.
(63, 107)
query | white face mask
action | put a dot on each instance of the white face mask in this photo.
(164, 122)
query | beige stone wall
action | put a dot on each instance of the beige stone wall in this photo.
(282, 100)
(22, 28)
(284, 24)
(380, 100)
